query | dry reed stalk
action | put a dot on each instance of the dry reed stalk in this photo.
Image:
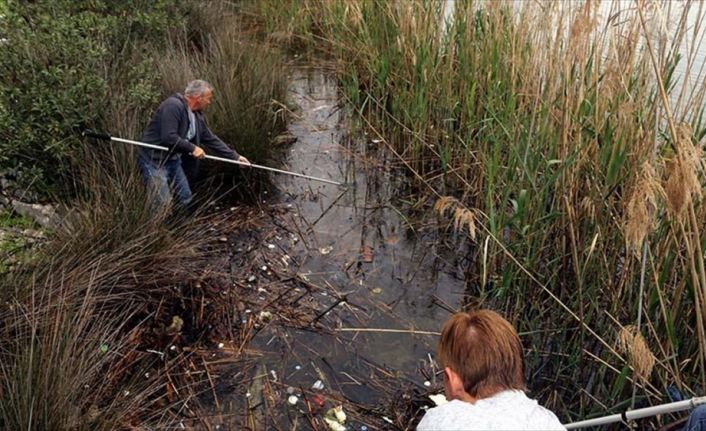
(640, 357)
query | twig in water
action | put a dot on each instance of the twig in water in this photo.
(393, 331)
(331, 307)
(329, 208)
(213, 388)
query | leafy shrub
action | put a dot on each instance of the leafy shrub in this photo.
(62, 66)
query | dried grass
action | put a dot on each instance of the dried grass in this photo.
(640, 357)
(641, 208)
(461, 216)
(682, 186)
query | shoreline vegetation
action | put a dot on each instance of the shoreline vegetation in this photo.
(553, 146)
(561, 148)
(86, 310)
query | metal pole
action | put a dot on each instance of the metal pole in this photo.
(106, 136)
(630, 415)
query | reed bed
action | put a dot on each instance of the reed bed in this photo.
(561, 136)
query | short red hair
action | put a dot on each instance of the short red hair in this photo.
(484, 350)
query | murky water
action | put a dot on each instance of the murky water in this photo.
(355, 243)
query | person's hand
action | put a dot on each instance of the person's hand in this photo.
(242, 159)
(198, 153)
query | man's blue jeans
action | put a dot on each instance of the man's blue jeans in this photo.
(697, 419)
(162, 179)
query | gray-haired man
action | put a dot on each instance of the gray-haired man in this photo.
(179, 125)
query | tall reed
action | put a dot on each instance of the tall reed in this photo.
(545, 121)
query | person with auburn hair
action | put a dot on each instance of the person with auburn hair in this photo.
(484, 378)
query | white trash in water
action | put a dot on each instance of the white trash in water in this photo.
(293, 399)
(318, 385)
(439, 399)
(335, 418)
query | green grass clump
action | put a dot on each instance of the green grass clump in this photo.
(11, 220)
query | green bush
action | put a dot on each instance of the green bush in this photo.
(62, 65)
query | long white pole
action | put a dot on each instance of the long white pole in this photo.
(220, 159)
(639, 413)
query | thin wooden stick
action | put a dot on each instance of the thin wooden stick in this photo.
(393, 331)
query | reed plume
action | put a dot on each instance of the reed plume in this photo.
(641, 208)
(682, 186)
(640, 357)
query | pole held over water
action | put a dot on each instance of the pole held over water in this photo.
(108, 137)
(630, 415)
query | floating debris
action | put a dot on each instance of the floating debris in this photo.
(293, 399)
(291, 390)
(335, 418)
(223, 239)
(221, 345)
(297, 367)
(377, 290)
(318, 385)
(340, 414)
(156, 352)
(366, 254)
(325, 250)
(265, 316)
(251, 279)
(427, 383)
(318, 401)
(104, 348)
(271, 246)
(439, 399)
(176, 325)
(264, 267)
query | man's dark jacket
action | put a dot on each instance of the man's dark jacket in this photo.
(168, 128)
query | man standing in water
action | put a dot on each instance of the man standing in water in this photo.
(179, 125)
(484, 379)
